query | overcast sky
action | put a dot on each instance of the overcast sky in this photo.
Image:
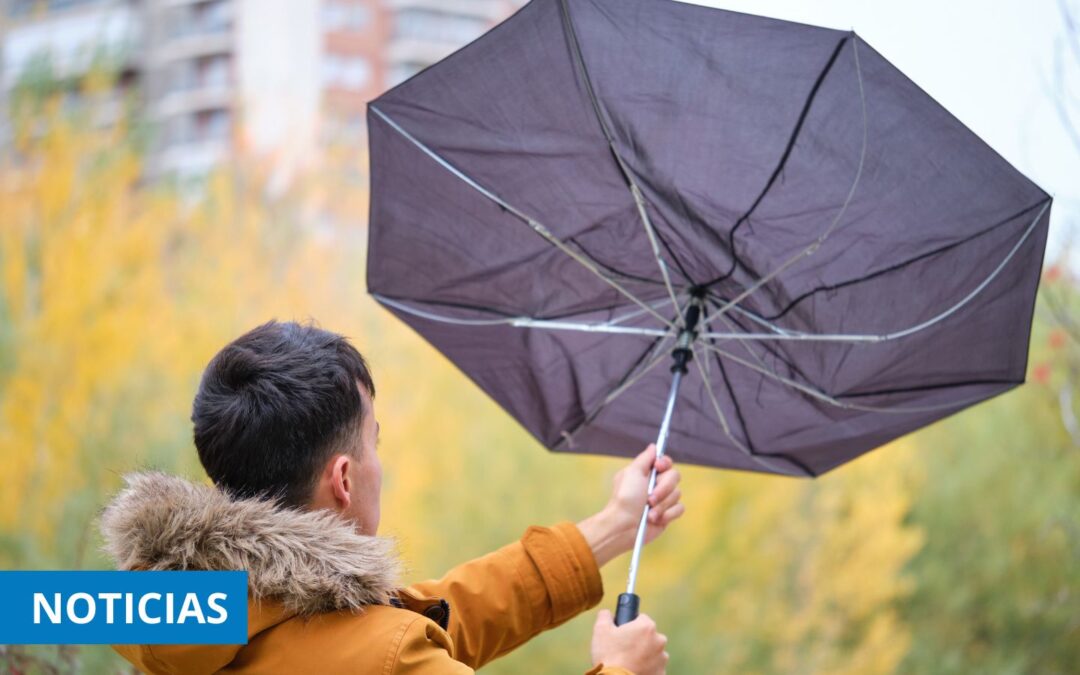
(990, 62)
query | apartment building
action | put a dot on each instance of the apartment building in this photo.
(275, 77)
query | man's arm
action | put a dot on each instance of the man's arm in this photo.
(612, 530)
(422, 651)
(503, 599)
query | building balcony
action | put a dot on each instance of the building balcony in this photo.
(415, 51)
(191, 159)
(492, 10)
(72, 40)
(193, 46)
(182, 101)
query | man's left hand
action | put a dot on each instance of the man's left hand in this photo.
(611, 532)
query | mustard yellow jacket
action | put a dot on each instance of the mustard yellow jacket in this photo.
(324, 599)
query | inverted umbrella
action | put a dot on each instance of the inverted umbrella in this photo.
(759, 234)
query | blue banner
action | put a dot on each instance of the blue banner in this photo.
(123, 607)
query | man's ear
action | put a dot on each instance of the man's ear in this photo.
(339, 481)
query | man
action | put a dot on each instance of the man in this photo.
(285, 427)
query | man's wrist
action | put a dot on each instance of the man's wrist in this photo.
(608, 534)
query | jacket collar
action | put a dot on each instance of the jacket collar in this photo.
(311, 561)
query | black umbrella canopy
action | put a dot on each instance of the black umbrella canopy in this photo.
(548, 202)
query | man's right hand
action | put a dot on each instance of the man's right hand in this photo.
(635, 646)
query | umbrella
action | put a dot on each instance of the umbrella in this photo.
(759, 235)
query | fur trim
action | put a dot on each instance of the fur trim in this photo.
(313, 561)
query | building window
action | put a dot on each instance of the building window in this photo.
(213, 125)
(430, 25)
(399, 72)
(201, 127)
(29, 7)
(207, 72)
(202, 18)
(345, 16)
(345, 72)
(181, 130)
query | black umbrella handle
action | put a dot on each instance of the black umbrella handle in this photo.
(627, 609)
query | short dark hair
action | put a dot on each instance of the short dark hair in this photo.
(274, 405)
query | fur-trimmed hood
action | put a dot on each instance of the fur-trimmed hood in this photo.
(312, 561)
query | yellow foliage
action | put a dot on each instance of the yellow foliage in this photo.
(77, 289)
(803, 576)
(116, 294)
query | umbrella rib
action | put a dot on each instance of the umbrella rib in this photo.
(756, 318)
(638, 312)
(611, 326)
(627, 381)
(932, 387)
(589, 328)
(785, 334)
(791, 336)
(813, 247)
(791, 459)
(635, 191)
(431, 316)
(647, 224)
(822, 396)
(534, 224)
(905, 332)
(775, 353)
(891, 268)
(655, 304)
(725, 427)
(599, 263)
(783, 160)
(734, 327)
(735, 401)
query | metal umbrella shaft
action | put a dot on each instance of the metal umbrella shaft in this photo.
(629, 603)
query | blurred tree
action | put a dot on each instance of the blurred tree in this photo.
(87, 360)
(78, 254)
(951, 551)
(792, 576)
(1059, 306)
(114, 293)
(999, 577)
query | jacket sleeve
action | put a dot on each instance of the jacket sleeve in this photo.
(500, 601)
(421, 649)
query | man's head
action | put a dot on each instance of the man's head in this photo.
(286, 411)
